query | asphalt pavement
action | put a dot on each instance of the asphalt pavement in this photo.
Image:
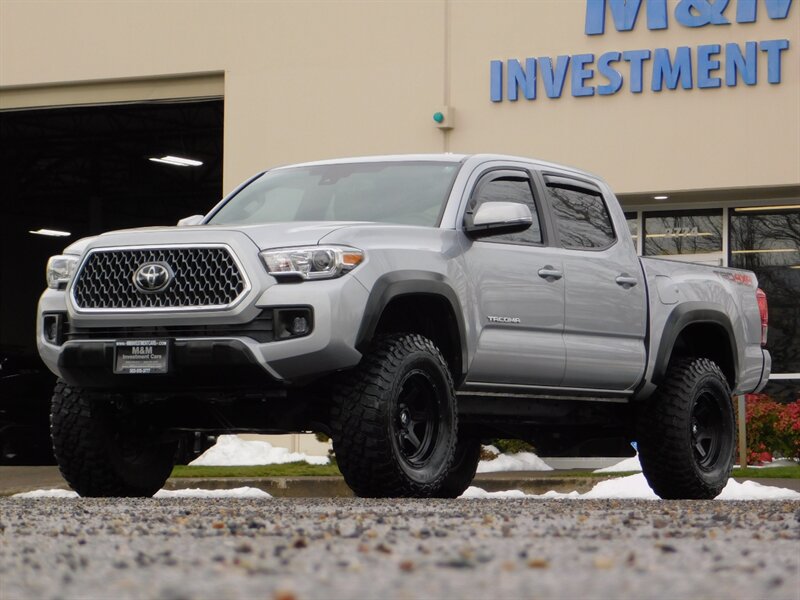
(294, 549)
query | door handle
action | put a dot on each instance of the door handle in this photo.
(549, 273)
(626, 280)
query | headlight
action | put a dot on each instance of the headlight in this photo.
(59, 269)
(314, 262)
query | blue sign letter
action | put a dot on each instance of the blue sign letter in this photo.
(697, 13)
(554, 80)
(518, 78)
(705, 65)
(579, 75)
(496, 81)
(746, 10)
(636, 58)
(773, 48)
(624, 13)
(666, 71)
(610, 73)
(735, 63)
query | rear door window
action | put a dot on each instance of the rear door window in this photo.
(582, 217)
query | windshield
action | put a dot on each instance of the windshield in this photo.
(407, 193)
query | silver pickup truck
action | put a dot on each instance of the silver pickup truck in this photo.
(409, 307)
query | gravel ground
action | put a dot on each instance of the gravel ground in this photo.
(287, 549)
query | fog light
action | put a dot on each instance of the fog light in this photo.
(53, 328)
(293, 322)
(300, 326)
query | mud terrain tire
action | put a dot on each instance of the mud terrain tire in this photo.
(101, 454)
(687, 432)
(394, 420)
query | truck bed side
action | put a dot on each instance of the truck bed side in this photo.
(710, 309)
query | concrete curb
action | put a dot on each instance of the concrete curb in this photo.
(14, 480)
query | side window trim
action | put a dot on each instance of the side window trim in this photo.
(580, 185)
(499, 172)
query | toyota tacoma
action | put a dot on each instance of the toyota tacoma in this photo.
(409, 307)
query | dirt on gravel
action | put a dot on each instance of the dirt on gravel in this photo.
(293, 549)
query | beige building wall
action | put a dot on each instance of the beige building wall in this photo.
(310, 80)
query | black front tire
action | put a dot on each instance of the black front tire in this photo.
(394, 420)
(463, 469)
(687, 432)
(102, 453)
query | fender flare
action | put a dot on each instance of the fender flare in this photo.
(405, 283)
(686, 314)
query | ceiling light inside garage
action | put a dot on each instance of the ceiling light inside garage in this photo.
(177, 161)
(660, 197)
(51, 232)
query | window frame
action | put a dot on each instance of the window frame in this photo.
(498, 172)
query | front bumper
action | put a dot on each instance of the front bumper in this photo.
(208, 355)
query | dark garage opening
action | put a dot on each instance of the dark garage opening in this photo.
(85, 170)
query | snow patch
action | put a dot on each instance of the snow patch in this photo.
(242, 492)
(635, 487)
(629, 464)
(476, 492)
(231, 450)
(54, 493)
(521, 461)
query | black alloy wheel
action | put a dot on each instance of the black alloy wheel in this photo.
(686, 432)
(394, 420)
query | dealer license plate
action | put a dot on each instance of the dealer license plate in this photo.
(141, 357)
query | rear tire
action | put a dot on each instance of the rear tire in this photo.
(102, 454)
(394, 420)
(687, 432)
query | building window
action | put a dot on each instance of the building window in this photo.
(687, 232)
(583, 220)
(768, 243)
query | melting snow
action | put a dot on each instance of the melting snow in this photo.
(231, 450)
(242, 492)
(635, 486)
(628, 465)
(522, 461)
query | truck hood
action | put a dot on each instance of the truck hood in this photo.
(272, 235)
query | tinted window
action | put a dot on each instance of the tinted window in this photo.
(409, 193)
(510, 189)
(583, 220)
(768, 243)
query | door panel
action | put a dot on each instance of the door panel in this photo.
(605, 296)
(507, 286)
(605, 322)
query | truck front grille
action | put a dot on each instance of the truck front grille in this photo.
(206, 277)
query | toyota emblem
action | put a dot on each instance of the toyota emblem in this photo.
(152, 277)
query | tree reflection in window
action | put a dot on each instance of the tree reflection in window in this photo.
(769, 244)
(692, 232)
(583, 220)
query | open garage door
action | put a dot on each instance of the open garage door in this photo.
(67, 173)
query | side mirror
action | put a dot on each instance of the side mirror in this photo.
(189, 221)
(496, 218)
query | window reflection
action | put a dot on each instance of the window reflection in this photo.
(695, 232)
(769, 245)
(583, 221)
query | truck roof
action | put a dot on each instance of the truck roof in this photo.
(443, 157)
